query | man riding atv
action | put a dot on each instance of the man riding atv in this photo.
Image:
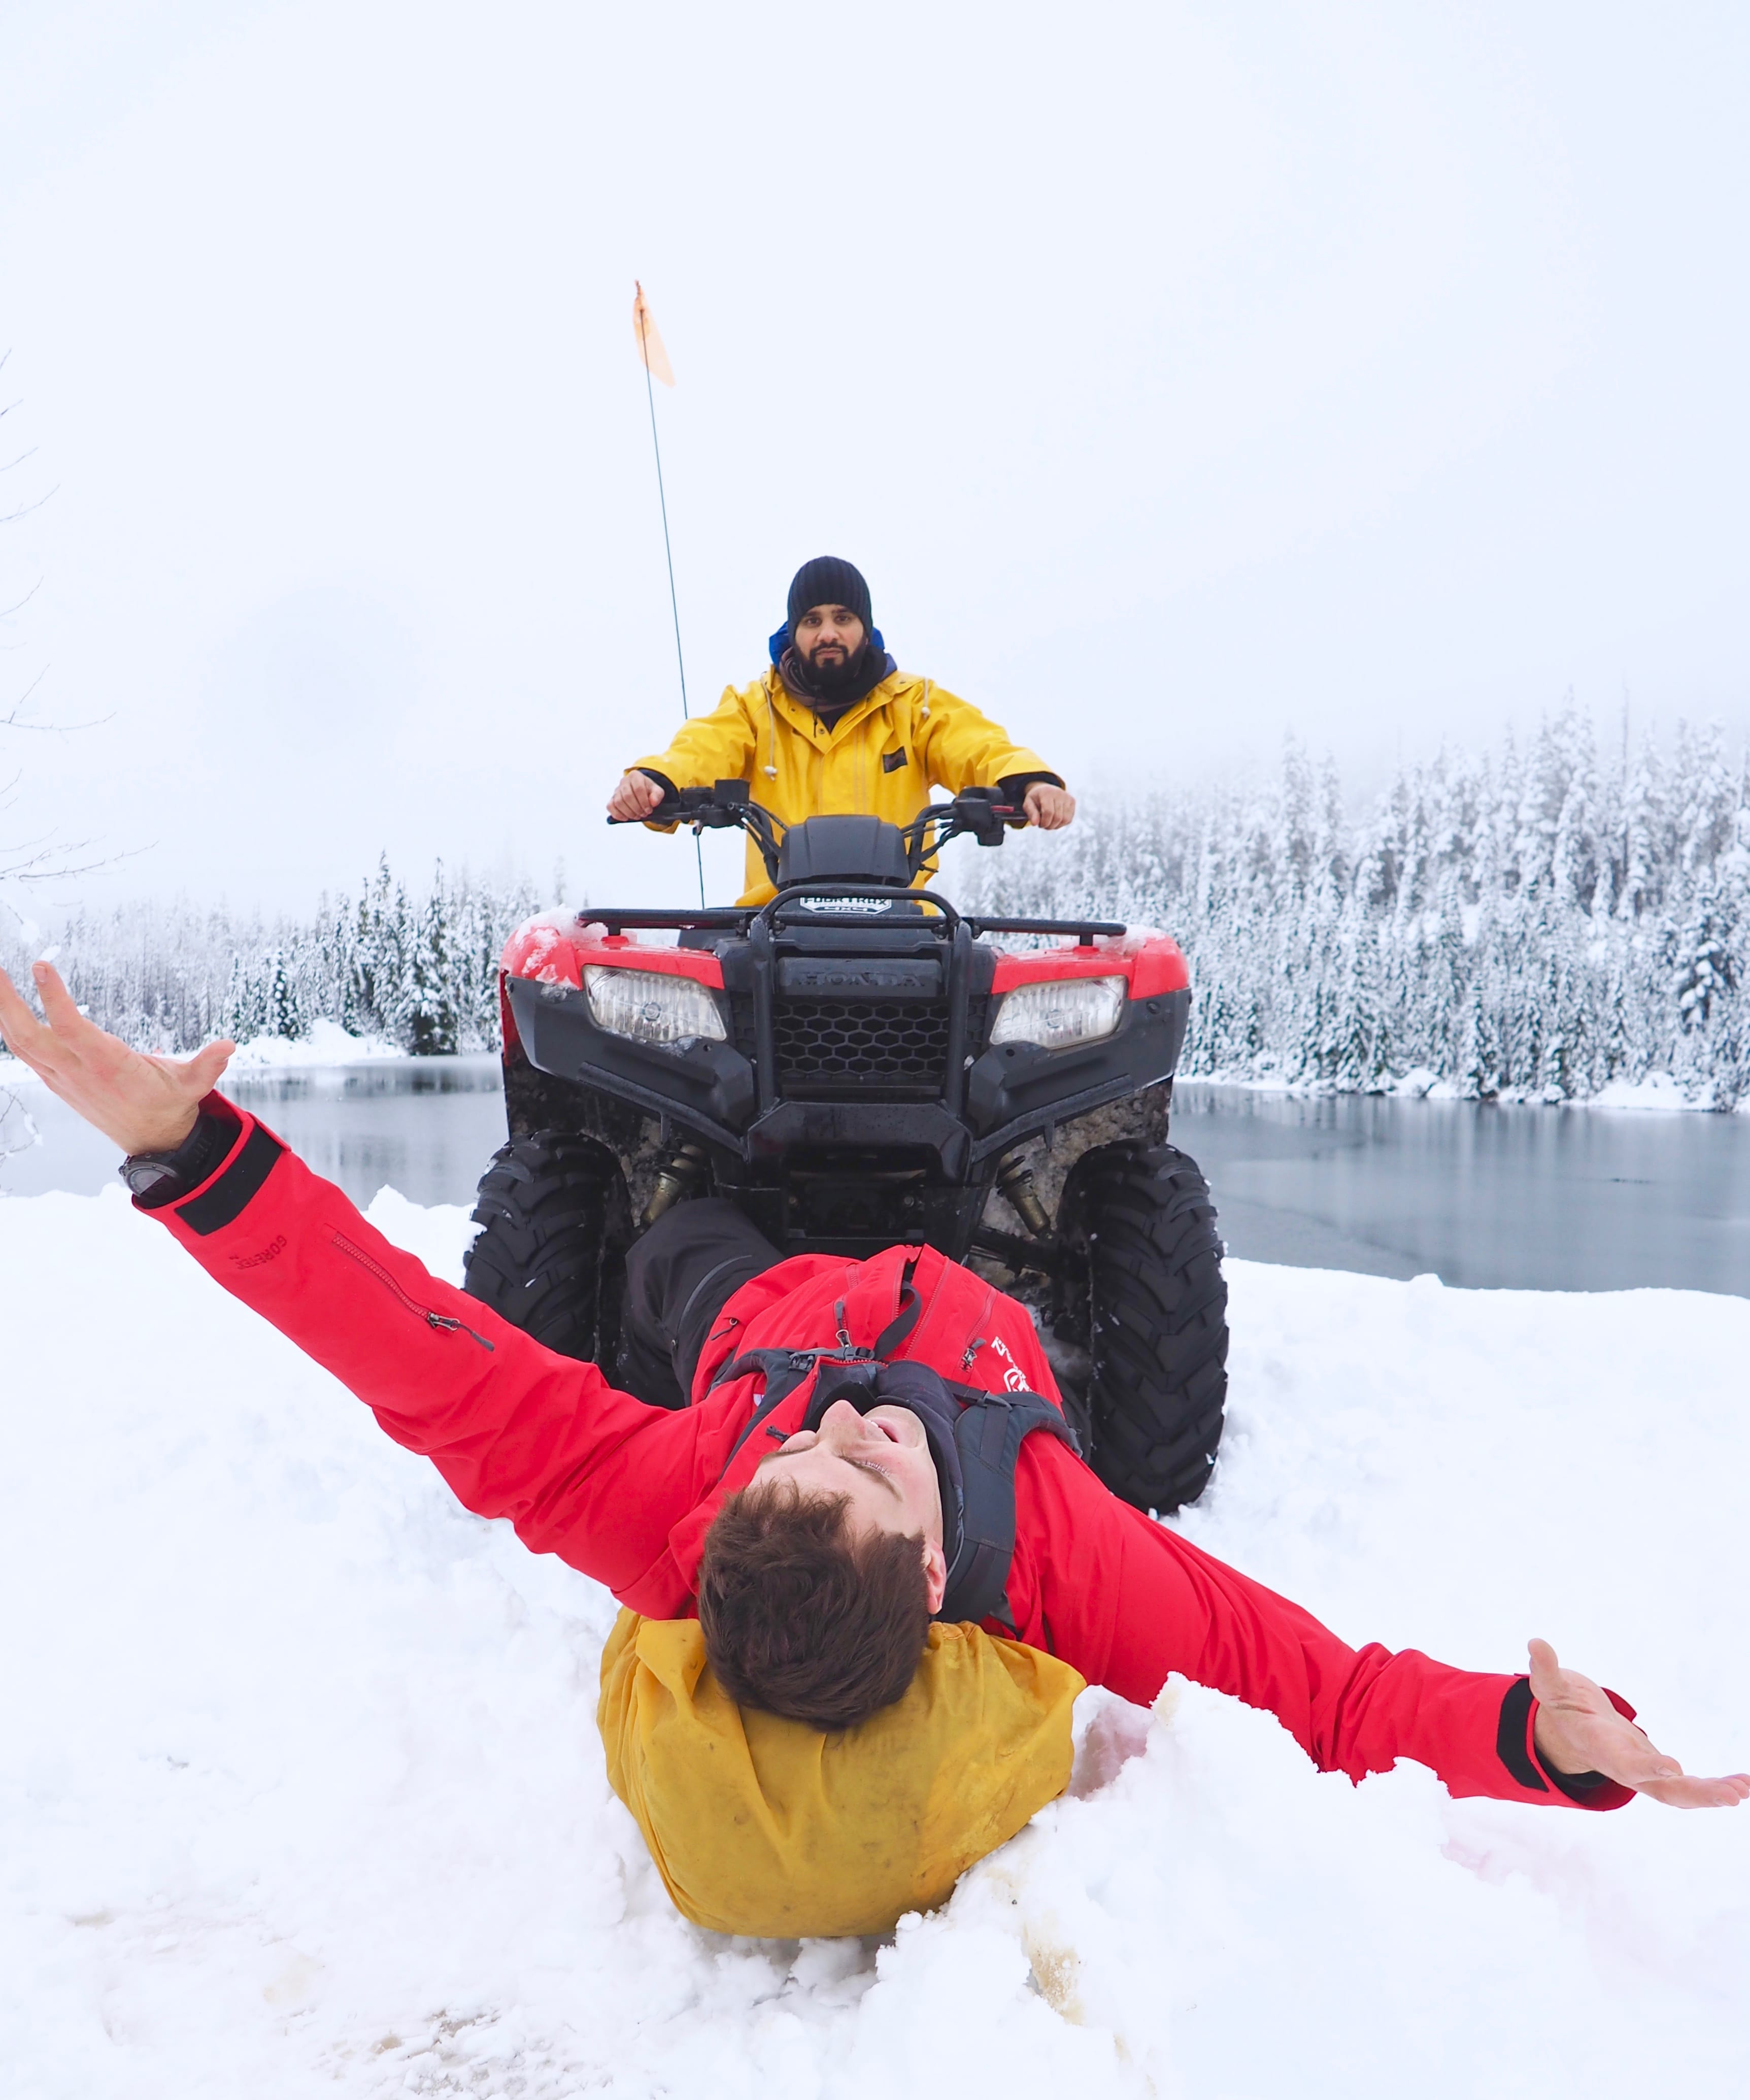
(834, 727)
(871, 1494)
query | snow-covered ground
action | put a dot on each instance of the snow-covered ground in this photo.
(327, 1043)
(302, 1791)
(1657, 1092)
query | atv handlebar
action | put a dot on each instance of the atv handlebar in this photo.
(730, 804)
(726, 805)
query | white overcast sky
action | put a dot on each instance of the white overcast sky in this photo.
(1177, 374)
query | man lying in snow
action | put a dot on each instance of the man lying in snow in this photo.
(829, 1742)
(834, 728)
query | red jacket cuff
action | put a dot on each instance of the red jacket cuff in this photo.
(221, 1197)
(1517, 1743)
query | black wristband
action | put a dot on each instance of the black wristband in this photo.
(1510, 1746)
(1015, 785)
(157, 1178)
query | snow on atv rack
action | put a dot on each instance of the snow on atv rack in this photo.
(855, 1065)
(737, 918)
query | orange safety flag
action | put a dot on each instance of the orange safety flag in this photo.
(649, 340)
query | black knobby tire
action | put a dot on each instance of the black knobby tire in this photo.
(1153, 1317)
(551, 1255)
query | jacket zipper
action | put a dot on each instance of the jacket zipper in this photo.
(440, 1321)
(976, 1341)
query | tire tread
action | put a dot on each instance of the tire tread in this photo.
(549, 1257)
(1157, 1319)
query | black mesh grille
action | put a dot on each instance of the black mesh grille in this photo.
(833, 1048)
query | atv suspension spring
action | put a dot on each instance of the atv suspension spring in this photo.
(1014, 1179)
(682, 1173)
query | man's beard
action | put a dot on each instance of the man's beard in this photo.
(832, 690)
(833, 676)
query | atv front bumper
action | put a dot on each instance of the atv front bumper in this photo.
(999, 1098)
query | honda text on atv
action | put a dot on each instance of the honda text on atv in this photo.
(856, 1064)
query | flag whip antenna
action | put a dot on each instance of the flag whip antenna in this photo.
(642, 315)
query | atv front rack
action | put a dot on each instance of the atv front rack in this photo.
(737, 919)
(839, 856)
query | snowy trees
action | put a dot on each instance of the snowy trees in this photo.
(1535, 923)
(29, 855)
(28, 850)
(419, 969)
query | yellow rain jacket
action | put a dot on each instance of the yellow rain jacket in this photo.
(764, 1826)
(879, 759)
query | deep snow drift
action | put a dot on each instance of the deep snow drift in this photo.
(302, 1791)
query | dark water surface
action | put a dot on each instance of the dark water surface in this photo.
(427, 1126)
(1520, 1197)
(1538, 1198)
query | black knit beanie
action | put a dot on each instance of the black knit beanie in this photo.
(826, 580)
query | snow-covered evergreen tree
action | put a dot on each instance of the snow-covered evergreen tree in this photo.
(1534, 923)
(1537, 921)
(170, 978)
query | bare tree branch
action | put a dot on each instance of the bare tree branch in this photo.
(12, 517)
(18, 1132)
(15, 719)
(61, 870)
(39, 856)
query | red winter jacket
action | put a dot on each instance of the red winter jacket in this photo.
(625, 1491)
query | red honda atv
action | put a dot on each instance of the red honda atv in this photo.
(856, 1064)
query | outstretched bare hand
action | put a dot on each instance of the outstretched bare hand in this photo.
(144, 1104)
(1577, 1730)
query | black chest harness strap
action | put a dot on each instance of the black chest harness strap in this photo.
(975, 1438)
(784, 1369)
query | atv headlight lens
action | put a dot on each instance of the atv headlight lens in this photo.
(1065, 1011)
(649, 1006)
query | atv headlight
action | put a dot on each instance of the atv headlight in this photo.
(1065, 1011)
(649, 1006)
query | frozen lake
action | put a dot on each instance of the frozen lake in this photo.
(1536, 1198)
(425, 1125)
(1485, 1197)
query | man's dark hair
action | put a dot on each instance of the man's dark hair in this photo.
(805, 1619)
